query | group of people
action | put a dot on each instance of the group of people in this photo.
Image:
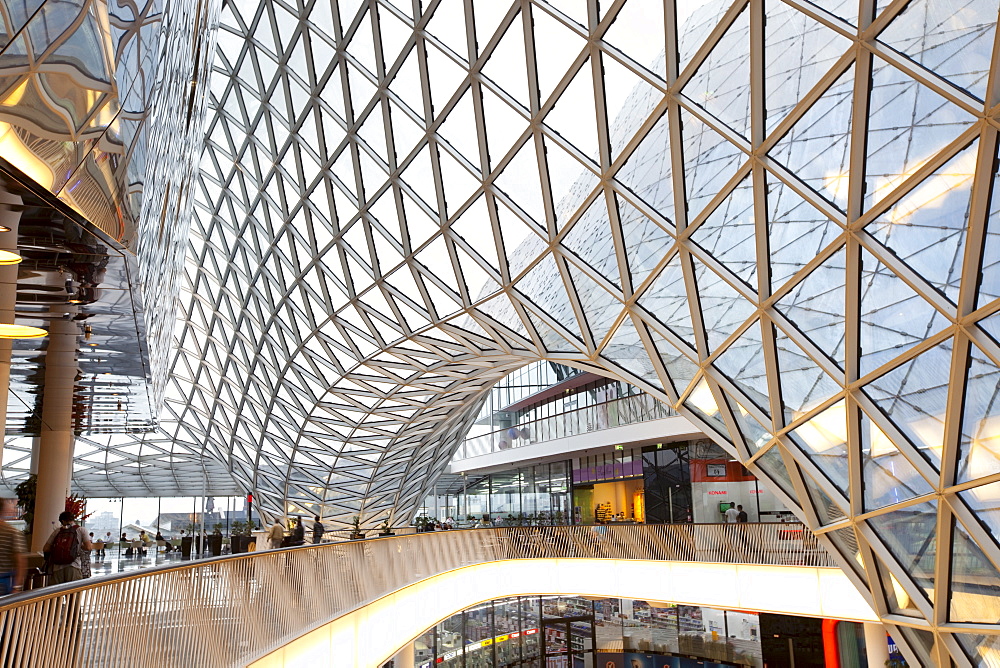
(276, 534)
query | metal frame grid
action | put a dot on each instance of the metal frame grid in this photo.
(789, 234)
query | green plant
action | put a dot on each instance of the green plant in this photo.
(217, 528)
(384, 527)
(356, 523)
(239, 528)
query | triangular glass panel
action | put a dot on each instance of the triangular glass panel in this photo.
(804, 385)
(552, 340)
(702, 401)
(544, 286)
(458, 183)
(506, 64)
(475, 228)
(638, 33)
(979, 447)
(406, 83)
(667, 301)
(991, 325)
(914, 396)
(504, 126)
(521, 182)
(448, 25)
(502, 311)
(362, 45)
(520, 243)
(887, 476)
(648, 170)
(723, 309)
(571, 8)
(816, 306)
(444, 77)
(797, 232)
(815, 47)
(646, 243)
(629, 100)
(989, 282)
(755, 435)
(694, 25)
(907, 124)
(719, 85)
(773, 465)
(893, 317)
(911, 535)
(477, 281)
(816, 148)
(600, 307)
(406, 132)
(729, 233)
(933, 34)
(556, 47)
(823, 438)
(627, 351)
(981, 649)
(709, 162)
(393, 31)
(570, 183)
(926, 228)
(743, 363)
(419, 225)
(419, 175)
(984, 501)
(827, 510)
(348, 10)
(591, 240)
(459, 129)
(680, 370)
(570, 118)
(488, 16)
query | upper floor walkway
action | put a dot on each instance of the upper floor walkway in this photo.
(357, 603)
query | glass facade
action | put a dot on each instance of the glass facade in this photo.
(599, 404)
(778, 218)
(570, 632)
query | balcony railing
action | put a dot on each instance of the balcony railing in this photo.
(625, 410)
(230, 611)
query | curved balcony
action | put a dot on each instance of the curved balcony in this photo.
(356, 603)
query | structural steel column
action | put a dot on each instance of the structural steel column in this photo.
(876, 644)
(55, 445)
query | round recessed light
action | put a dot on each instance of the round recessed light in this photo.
(21, 332)
(4, 228)
(7, 257)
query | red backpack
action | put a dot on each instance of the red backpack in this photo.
(65, 549)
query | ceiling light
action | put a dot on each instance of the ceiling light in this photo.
(21, 332)
(8, 257)
(4, 228)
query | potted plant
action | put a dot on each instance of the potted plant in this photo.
(215, 540)
(385, 530)
(356, 532)
(240, 537)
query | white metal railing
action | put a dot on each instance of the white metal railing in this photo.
(228, 611)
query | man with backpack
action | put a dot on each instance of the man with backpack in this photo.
(64, 550)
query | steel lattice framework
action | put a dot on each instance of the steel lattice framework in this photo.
(784, 225)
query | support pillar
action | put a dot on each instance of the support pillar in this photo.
(55, 445)
(876, 644)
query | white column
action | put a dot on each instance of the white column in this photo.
(876, 644)
(55, 445)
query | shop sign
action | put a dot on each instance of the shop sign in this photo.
(487, 642)
(501, 638)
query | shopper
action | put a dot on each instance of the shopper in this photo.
(275, 535)
(12, 558)
(299, 532)
(732, 515)
(484, 523)
(64, 548)
(742, 517)
(318, 531)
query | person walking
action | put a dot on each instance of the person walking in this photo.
(275, 534)
(13, 559)
(318, 530)
(64, 550)
(299, 532)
